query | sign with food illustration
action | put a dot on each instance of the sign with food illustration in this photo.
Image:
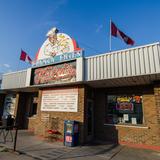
(65, 72)
(58, 47)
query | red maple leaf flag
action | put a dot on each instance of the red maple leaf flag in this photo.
(117, 33)
(25, 57)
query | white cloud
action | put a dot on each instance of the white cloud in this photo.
(9, 70)
(99, 28)
(5, 68)
(6, 65)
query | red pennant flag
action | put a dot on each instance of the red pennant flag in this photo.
(25, 57)
(117, 33)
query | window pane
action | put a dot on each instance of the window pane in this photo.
(124, 109)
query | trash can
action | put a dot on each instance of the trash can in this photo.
(71, 133)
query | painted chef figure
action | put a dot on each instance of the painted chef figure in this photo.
(56, 44)
(52, 46)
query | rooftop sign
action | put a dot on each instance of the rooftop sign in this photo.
(58, 47)
(59, 58)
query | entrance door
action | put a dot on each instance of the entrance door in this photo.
(90, 120)
(27, 107)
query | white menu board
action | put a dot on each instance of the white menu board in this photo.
(60, 100)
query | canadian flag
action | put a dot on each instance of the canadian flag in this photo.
(25, 57)
(117, 33)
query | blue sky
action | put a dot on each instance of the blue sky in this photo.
(24, 24)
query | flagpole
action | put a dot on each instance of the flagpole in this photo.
(110, 36)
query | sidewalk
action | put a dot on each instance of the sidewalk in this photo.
(33, 148)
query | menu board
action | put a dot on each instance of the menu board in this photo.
(60, 100)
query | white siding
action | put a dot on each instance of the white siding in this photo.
(137, 61)
(14, 80)
(79, 69)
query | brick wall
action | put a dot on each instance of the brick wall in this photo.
(43, 120)
(157, 98)
(147, 134)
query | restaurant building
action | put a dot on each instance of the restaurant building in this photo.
(115, 96)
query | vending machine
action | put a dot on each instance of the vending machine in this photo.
(71, 133)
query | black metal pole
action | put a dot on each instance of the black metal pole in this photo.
(15, 139)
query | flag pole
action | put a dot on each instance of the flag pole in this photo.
(110, 36)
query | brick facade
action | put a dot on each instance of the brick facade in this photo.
(44, 119)
(147, 134)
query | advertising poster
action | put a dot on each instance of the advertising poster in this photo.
(9, 105)
(60, 100)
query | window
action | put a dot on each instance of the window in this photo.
(124, 109)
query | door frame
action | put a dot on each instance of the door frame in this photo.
(90, 136)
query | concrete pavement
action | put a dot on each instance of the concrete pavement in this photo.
(34, 148)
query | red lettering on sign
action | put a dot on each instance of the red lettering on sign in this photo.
(52, 74)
